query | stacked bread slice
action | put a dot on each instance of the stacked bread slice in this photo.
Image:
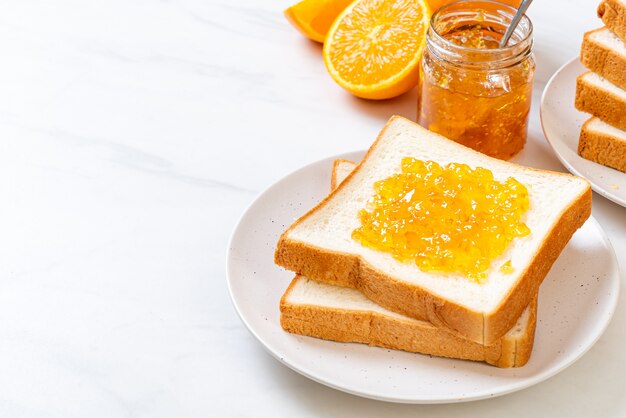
(344, 291)
(602, 91)
(336, 313)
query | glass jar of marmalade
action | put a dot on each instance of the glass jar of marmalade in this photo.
(471, 90)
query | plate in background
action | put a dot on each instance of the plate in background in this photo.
(561, 124)
(576, 302)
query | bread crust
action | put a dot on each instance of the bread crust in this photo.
(377, 329)
(335, 174)
(350, 270)
(601, 148)
(602, 60)
(613, 14)
(524, 346)
(603, 104)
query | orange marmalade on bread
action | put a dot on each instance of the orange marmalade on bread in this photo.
(470, 90)
(450, 219)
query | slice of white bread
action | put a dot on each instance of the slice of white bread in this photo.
(342, 314)
(604, 53)
(603, 143)
(603, 99)
(613, 14)
(319, 244)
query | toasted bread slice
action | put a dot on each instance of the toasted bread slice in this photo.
(603, 143)
(605, 53)
(342, 314)
(603, 99)
(613, 14)
(319, 244)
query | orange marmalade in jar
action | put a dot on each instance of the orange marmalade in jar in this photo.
(470, 90)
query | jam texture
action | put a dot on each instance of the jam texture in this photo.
(449, 219)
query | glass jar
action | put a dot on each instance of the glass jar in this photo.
(470, 90)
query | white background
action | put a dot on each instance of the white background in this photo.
(133, 134)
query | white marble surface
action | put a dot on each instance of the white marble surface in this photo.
(133, 135)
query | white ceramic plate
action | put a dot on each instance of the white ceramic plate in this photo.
(561, 124)
(576, 303)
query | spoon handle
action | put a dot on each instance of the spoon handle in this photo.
(514, 22)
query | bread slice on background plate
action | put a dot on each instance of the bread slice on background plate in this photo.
(603, 143)
(613, 14)
(603, 99)
(342, 314)
(319, 244)
(604, 53)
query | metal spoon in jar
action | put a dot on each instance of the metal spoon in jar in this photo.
(514, 22)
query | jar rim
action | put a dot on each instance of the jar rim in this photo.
(519, 49)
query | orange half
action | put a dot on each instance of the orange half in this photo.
(374, 47)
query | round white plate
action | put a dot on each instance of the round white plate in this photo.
(561, 124)
(576, 303)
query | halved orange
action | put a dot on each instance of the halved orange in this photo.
(374, 47)
(314, 17)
